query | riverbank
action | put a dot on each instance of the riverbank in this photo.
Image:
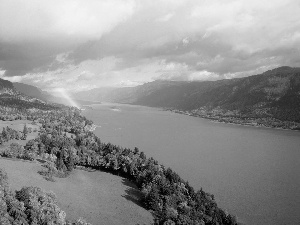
(228, 118)
(232, 162)
(266, 122)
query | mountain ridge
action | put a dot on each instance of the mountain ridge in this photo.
(31, 91)
(272, 94)
(12, 98)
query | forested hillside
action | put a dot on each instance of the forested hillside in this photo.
(273, 97)
(32, 91)
(66, 141)
(13, 103)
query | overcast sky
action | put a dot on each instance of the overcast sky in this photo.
(83, 44)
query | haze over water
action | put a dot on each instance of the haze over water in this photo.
(253, 172)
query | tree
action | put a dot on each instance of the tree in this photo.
(136, 150)
(4, 134)
(143, 156)
(25, 132)
(70, 163)
(42, 149)
(32, 148)
(41, 207)
(16, 150)
(3, 178)
(60, 161)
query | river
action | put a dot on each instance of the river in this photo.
(253, 172)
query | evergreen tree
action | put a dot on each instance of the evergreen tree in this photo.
(4, 134)
(60, 161)
(70, 164)
(25, 132)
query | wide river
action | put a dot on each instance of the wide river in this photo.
(254, 173)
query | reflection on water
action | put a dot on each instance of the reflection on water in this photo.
(253, 172)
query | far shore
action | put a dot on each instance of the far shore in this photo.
(217, 120)
(214, 120)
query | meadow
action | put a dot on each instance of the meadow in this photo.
(98, 197)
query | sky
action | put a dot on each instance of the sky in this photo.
(83, 44)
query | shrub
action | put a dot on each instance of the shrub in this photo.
(51, 171)
(81, 221)
(29, 155)
(41, 207)
(13, 151)
(3, 178)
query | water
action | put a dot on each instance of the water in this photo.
(254, 173)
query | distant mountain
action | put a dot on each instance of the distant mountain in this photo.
(275, 88)
(10, 97)
(32, 91)
(96, 94)
(274, 93)
(122, 95)
(5, 84)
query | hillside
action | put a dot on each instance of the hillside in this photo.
(31, 91)
(11, 98)
(272, 94)
(65, 142)
(96, 94)
(36, 93)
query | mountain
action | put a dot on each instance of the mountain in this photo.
(276, 88)
(11, 98)
(122, 95)
(32, 91)
(5, 84)
(274, 93)
(96, 94)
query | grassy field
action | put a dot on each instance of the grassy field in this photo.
(99, 197)
(19, 125)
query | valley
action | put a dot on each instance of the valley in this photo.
(270, 99)
(51, 143)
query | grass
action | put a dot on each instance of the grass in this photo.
(99, 197)
(19, 125)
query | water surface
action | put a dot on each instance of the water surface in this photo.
(253, 172)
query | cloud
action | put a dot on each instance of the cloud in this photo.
(185, 41)
(33, 33)
(82, 44)
(76, 20)
(87, 75)
(165, 18)
(182, 72)
(62, 57)
(203, 75)
(2, 72)
(129, 83)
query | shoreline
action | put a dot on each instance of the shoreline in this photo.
(217, 120)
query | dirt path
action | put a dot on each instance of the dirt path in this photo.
(99, 197)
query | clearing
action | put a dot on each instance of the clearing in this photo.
(99, 197)
(19, 125)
